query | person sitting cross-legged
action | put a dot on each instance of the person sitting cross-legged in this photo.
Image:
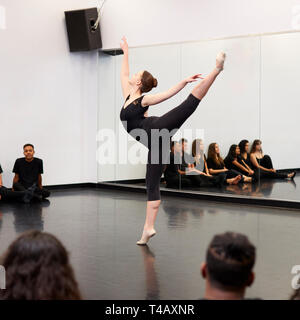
(11, 196)
(28, 173)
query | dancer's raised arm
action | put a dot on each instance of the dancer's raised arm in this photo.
(125, 69)
(151, 99)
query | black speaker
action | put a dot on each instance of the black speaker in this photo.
(81, 34)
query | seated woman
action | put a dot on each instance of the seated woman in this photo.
(8, 195)
(216, 165)
(200, 166)
(245, 156)
(264, 163)
(233, 161)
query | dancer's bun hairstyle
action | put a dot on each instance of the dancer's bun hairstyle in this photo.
(148, 82)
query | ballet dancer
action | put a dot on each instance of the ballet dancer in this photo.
(133, 118)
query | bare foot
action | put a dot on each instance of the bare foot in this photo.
(292, 175)
(147, 234)
(235, 180)
(247, 179)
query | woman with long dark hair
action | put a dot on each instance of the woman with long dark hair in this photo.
(245, 156)
(200, 166)
(264, 164)
(233, 161)
(140, 127)
(37, 268)
(216, 165)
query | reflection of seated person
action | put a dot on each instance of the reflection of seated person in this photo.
(8, 195)
(234, 161)
(28, 172)
(216, 166)
(181, 174)
(186, 156)
(263, 162)
(173, 175)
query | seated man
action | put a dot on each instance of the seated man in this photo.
(8, 195)
(228, 268)
(174, 177)
(28, 173)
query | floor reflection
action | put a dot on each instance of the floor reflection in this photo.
(270, 189)
(152, 285)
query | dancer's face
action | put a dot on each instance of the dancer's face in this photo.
(258, 147)
(217, 149)
(201, 146)
(136, 79)
(28, 152)
(247, 147)
(238, 151)
(184, 146)
(177, 147)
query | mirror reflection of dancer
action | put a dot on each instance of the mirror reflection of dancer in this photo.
(133, 117)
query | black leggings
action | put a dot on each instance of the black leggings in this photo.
(195, 180)
(266, 162)
(171, 121)
(39, 192)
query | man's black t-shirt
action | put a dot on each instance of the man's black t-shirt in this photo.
(28, 171)
(1, 169)
(172, 168)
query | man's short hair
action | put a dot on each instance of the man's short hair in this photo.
(183, 140)
(230, 258)
(28, 145)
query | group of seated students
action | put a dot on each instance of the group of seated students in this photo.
(27, 182)
(240, 165)
(227, 270)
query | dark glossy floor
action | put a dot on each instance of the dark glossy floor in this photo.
(100, 228)
(268, 189)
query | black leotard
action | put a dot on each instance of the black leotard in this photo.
(132, 118)
(133, 114)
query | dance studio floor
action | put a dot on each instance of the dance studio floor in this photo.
(100, 227)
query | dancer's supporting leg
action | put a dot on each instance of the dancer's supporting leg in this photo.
(172, 120)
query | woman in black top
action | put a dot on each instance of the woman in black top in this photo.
(245, 156)
(200, 167)
(235, 162)
(140, 127)
(216, 165)
(264, 163)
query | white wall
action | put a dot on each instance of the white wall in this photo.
(48, 95)
(146, 22)
(280, 106)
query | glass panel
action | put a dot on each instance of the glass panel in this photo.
(245, 102)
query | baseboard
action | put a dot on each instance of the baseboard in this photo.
(71, 186)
